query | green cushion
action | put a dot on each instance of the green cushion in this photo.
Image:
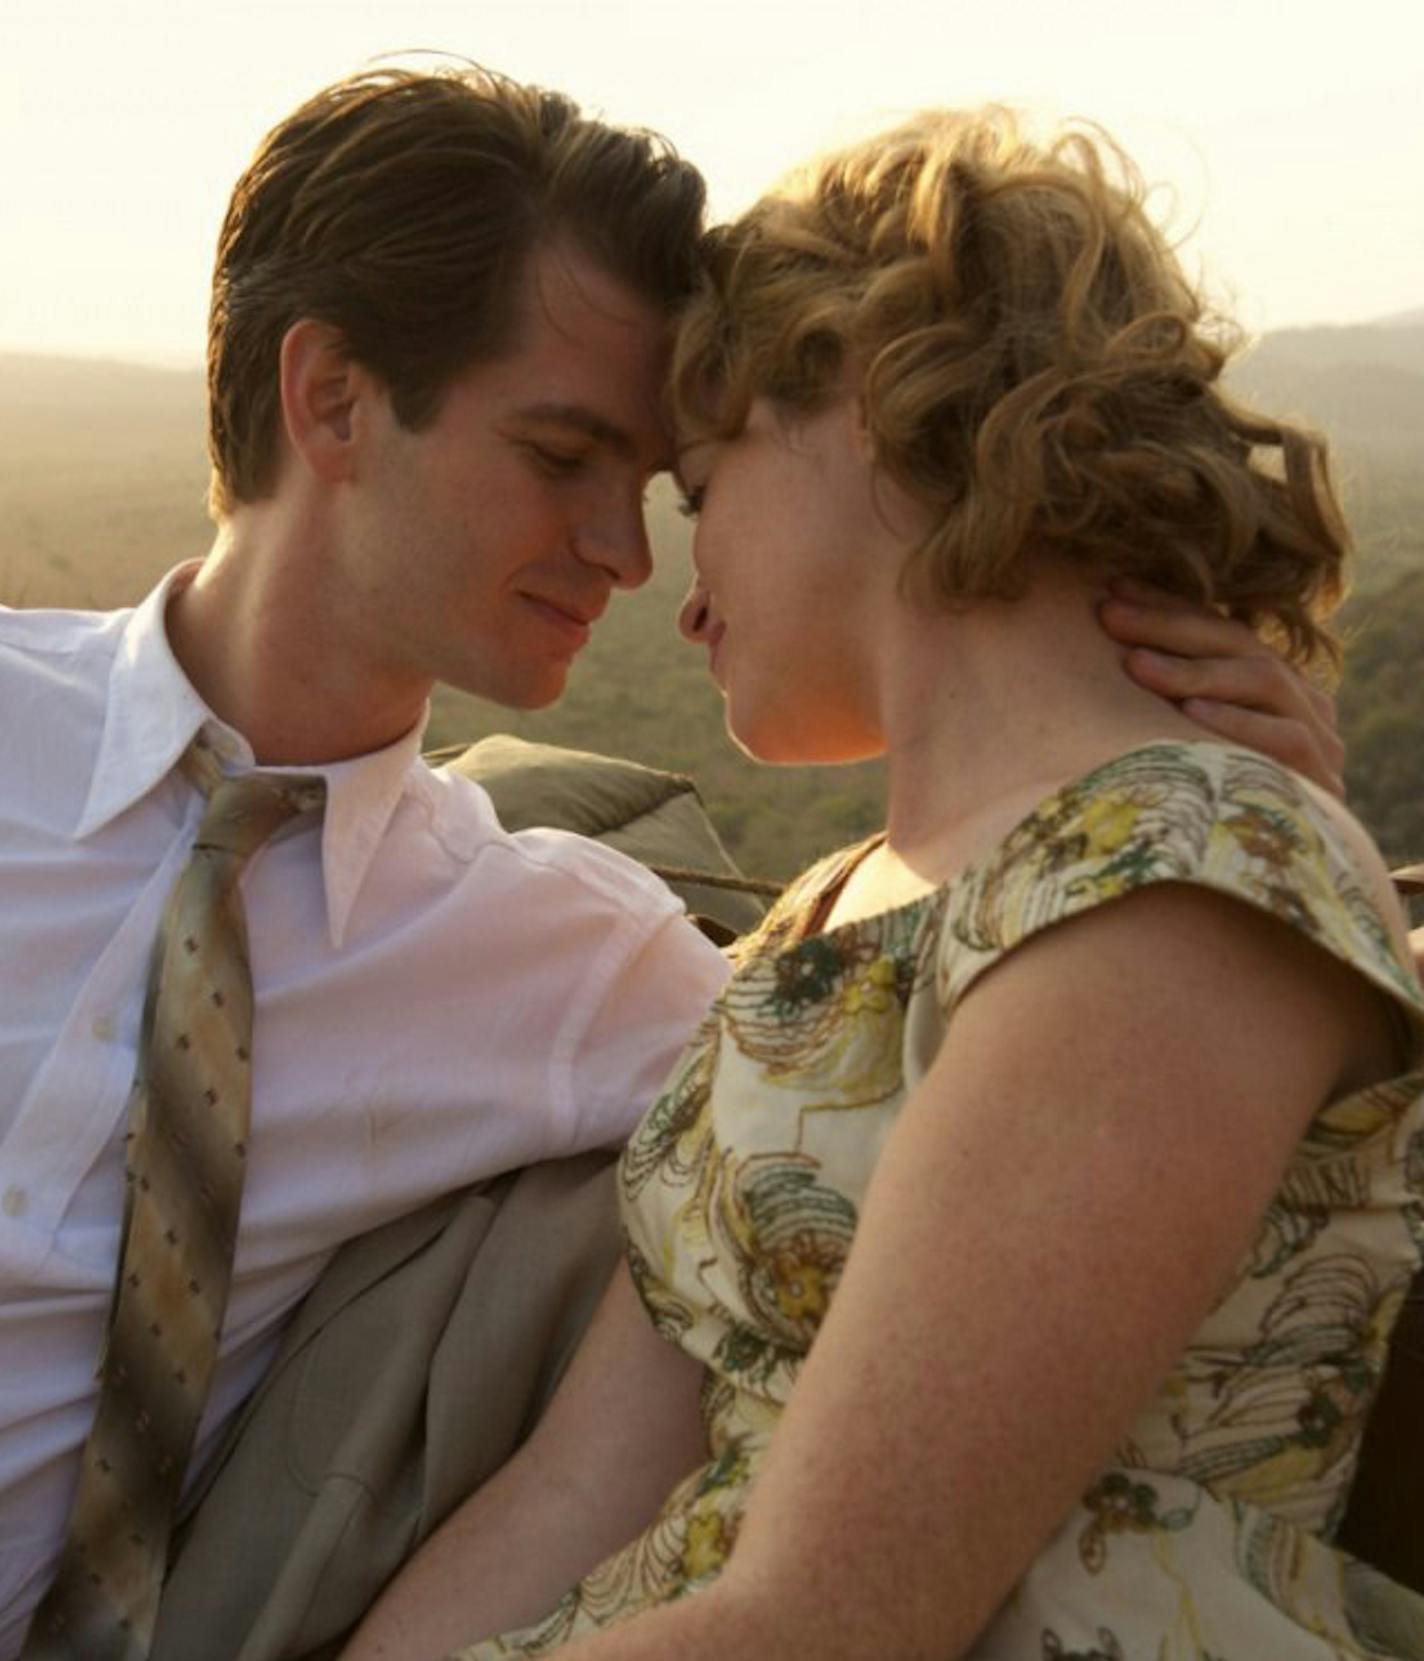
(655, 817)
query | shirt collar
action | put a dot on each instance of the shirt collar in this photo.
(152, 714)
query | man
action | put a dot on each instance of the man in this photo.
(435, 362)
(436, 355)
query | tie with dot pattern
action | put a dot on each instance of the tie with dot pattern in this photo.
(188, 1125)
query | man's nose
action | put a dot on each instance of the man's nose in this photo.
(692, 614)
(618, 544)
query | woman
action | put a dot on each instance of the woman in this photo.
(1022, 1231)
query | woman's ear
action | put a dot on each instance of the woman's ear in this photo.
(320, 385)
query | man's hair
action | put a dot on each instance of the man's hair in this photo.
(1035, 368)
(402, 209)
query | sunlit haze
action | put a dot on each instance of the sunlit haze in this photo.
(1290, 135)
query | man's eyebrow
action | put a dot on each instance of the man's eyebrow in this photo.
(584, 420)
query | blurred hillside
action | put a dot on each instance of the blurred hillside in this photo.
(102, 480)
(1363, 386)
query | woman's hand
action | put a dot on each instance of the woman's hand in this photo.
(1225, 679)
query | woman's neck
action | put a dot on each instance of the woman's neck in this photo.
(989, 709)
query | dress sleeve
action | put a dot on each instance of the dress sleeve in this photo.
(1221, 818)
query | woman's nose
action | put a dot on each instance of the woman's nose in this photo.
(692, 615)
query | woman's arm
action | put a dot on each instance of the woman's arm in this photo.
(1226, 680)
(1059, 1204)
(622, 1429)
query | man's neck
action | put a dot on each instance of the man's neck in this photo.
(268, 651)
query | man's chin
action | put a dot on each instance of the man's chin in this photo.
(524, 692)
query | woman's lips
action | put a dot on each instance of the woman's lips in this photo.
(714, 651)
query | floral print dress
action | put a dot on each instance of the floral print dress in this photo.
(1208, 1536)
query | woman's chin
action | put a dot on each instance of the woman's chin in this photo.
(750, 745)
(787, 744)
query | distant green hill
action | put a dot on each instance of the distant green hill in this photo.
(1382, 715)
(1388, 343)
(102, 479)
(1363, 387)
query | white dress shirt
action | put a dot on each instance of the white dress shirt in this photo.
(436, 1001)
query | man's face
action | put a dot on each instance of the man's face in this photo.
(481, 550)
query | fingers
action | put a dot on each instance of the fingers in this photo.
(1294, 743)
(1140, 592)
(1260, 681)
(1137, 615)
(1202, 643)
(1225, 679)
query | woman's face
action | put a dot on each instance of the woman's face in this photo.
(795, 566)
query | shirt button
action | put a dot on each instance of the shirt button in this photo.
(15, 1202)
(102, 1026)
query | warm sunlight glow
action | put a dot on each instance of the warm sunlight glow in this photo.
(1289, 136)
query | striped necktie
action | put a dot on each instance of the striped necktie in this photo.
(187, 1148)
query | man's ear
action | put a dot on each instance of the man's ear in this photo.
(320, 385)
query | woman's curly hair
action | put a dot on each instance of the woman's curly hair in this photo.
(1036, 370)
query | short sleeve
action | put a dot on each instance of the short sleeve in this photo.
(1222, 818)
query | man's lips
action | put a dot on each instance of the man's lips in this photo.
(573, 621)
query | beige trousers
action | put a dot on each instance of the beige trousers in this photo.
(413, 1370)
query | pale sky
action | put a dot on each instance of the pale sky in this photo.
(1290, 132)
